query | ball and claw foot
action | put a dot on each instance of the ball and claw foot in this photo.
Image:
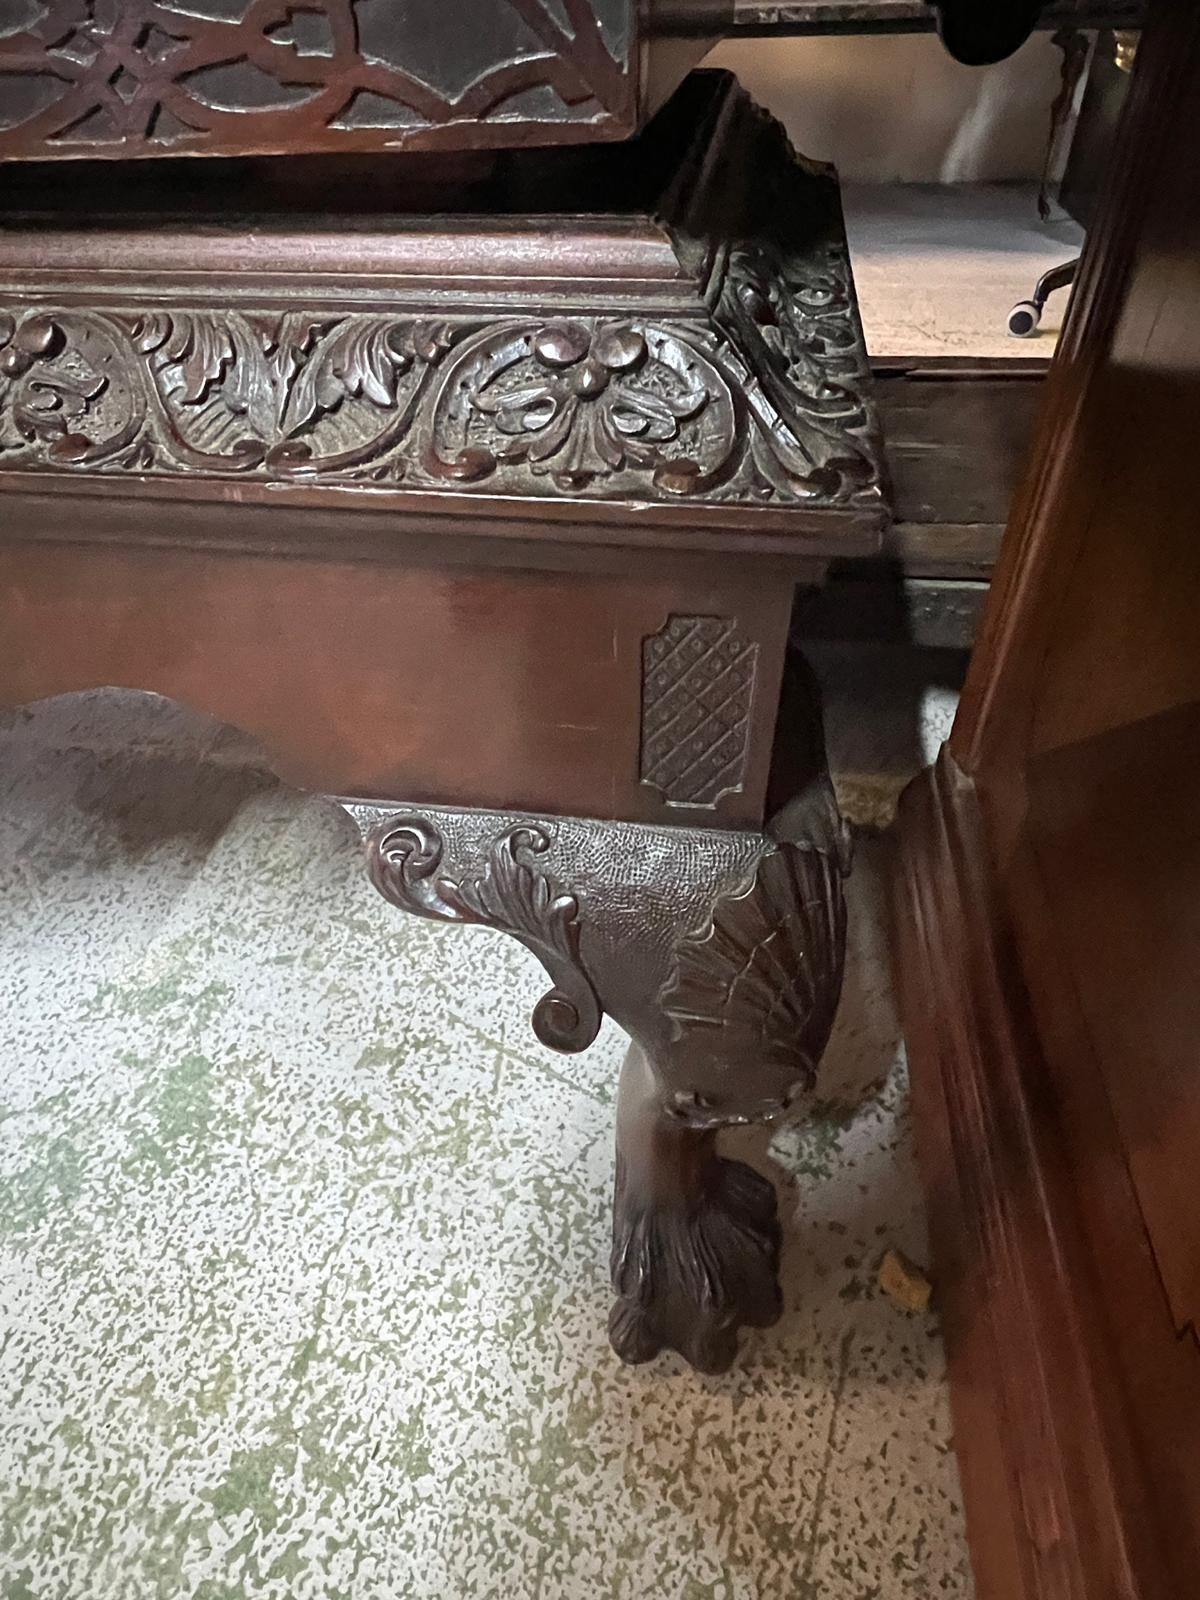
(689, 1274)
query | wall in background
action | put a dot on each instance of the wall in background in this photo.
(896, 107)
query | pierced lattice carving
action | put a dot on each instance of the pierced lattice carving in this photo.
(141, 77)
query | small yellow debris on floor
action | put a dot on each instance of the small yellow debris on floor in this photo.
(904, 1283)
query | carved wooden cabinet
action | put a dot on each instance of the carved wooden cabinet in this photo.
(481, 483)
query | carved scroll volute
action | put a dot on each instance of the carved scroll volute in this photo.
(514, 893)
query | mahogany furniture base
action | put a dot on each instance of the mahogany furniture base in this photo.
(494, 509)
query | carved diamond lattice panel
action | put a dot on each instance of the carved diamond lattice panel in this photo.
(139, 77)
(697, 691)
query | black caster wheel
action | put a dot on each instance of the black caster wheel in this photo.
(1024, 318)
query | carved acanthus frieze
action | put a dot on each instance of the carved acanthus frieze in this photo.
(589, 406)
(745, 383)
(193, 391)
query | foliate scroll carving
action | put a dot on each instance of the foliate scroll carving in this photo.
(515, 893)
(747, 384)
(150, 77)
(580, 401)
(597, 407)
(200, 392)
(698, 679)
(792, 319)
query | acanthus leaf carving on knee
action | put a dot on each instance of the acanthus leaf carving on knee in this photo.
(514, 892)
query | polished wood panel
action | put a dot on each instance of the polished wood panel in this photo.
(518, 690)
(1048, 934)
(434, 502)
(1059, 1504)
(1114, 830)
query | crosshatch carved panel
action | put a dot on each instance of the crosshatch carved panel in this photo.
(139, 77)
(698, 679)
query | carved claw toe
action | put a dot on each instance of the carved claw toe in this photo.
(687, 1277)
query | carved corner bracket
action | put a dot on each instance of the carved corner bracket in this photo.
(732, 999)
(721, 954)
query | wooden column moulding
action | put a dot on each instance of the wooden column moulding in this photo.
(1048, 937)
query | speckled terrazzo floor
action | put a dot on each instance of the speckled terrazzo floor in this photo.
(303, 1237)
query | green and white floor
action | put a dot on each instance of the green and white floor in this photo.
(303, 1236)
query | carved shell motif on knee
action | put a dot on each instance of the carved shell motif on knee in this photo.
(752, 995)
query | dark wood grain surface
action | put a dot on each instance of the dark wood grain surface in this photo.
(1048, 936)
(472, 687)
